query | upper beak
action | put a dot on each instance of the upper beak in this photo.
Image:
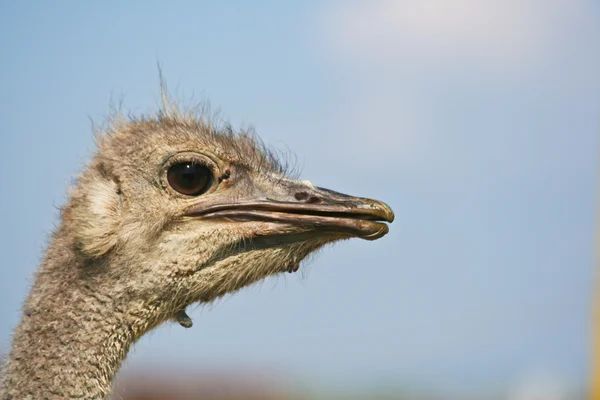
(306, 206)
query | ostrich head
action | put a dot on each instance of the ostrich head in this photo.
(176, 211)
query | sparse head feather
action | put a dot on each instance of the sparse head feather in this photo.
(126, 134)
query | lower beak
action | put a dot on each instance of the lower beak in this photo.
(316, 209)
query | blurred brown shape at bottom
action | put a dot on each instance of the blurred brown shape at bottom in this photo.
(156, 386)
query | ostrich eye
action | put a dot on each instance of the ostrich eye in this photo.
(189, 178)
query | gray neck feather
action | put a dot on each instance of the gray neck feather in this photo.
(73, 334)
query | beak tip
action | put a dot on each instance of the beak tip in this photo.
(381, 232)
(388, 213)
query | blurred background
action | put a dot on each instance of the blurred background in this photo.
(477, 121)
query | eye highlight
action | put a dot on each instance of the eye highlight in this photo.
(190, 178)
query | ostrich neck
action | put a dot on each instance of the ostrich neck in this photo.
(73, 334)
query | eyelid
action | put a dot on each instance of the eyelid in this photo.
(191, 158)
(207, 159)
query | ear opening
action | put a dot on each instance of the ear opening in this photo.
(97, 213)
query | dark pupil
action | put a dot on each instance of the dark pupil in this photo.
(189, 178)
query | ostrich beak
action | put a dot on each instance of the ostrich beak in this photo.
(303, 205)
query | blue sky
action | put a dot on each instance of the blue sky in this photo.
(476, 121)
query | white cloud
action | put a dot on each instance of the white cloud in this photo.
(441, 80)
(505, 35)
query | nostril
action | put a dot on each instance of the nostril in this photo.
(301, 196)
(307, 198)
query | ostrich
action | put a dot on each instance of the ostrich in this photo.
(172, 210)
